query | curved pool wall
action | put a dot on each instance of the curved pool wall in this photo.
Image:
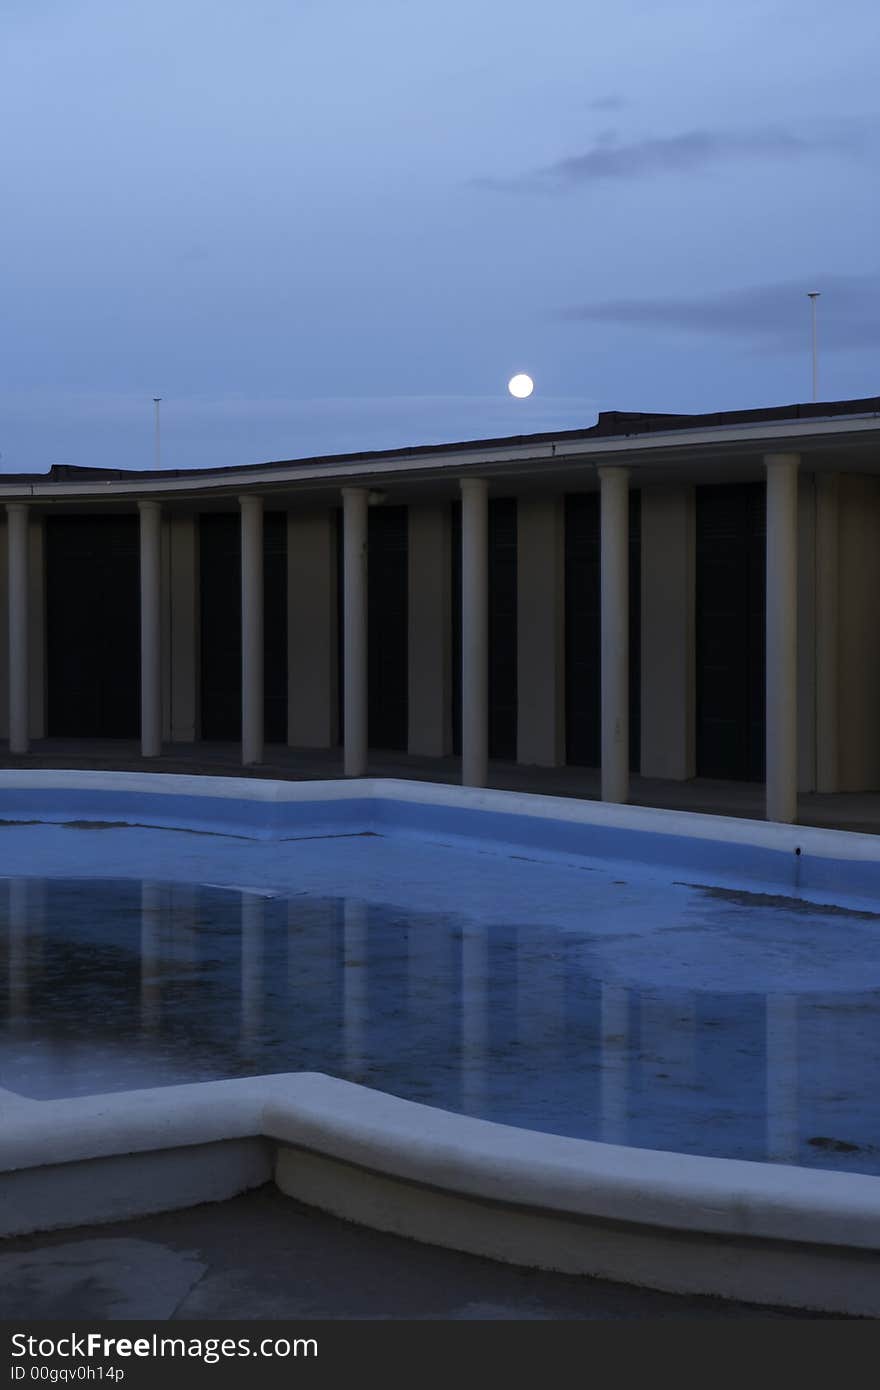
(799, 858)
(769, 1233)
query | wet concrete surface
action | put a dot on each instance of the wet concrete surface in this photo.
(264, 1256)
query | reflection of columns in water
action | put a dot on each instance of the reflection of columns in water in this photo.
(151, 953)
(18, 948)
(354, 985)
(474, 1017)
(614, 1035)
(37, 909)
(667, 1032)
(313, 929)
(431, 981)
(184, 911)
(540, 996)
(252, 906)
(296, 914)
(782, 1078)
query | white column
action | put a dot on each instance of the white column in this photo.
(17, 542)
(354, 629)
(614, 486)
(251, 630)
(151, 660)
(781, 673)
(474, 632)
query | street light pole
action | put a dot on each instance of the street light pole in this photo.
(813, 295)
(157, 400)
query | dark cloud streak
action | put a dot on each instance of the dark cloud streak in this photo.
(608, 103)
(774, 316)
(688, 153)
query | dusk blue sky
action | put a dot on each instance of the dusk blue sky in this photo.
(318, 226)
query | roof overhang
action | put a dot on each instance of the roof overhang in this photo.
(699, 454)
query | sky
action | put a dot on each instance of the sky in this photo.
(325, 226)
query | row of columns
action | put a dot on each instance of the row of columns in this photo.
(150, 529)
(781, 633)
(781, 637)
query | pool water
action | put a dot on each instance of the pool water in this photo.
(594, 1000)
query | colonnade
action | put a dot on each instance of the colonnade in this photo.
(781, 631)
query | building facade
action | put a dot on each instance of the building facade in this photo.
(677, 596)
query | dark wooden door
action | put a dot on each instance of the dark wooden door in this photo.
(583, 621)
(93, 626)
(503, 703)
(730, 593)
(220, 609)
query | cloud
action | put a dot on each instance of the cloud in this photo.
(775, 315)
(612, 102)
(693, 151)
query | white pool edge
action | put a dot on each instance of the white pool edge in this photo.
(758, 834)
(761, 1232)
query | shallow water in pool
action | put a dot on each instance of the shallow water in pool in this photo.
(713, 1020)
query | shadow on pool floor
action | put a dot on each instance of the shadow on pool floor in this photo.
(263, 1256)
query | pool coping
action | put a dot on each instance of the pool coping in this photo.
(423, 1151)
(266, 793)
(764, 1233)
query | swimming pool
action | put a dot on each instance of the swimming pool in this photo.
(599, 1000)
(673, 986)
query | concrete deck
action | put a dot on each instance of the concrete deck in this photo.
(858, 811)
(263, 1256)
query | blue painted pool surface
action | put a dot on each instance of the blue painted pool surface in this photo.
(662, 1004)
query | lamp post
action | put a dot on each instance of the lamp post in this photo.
(157, 401)
(812, 296)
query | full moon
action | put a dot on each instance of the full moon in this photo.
(521, 385)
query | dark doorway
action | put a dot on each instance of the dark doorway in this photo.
(275, 626)
(730, 583)
(387, 626)
(220, 608)
(502, 628)
(387, 634)
(503, 705)
(583, 675)
(93, 626)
